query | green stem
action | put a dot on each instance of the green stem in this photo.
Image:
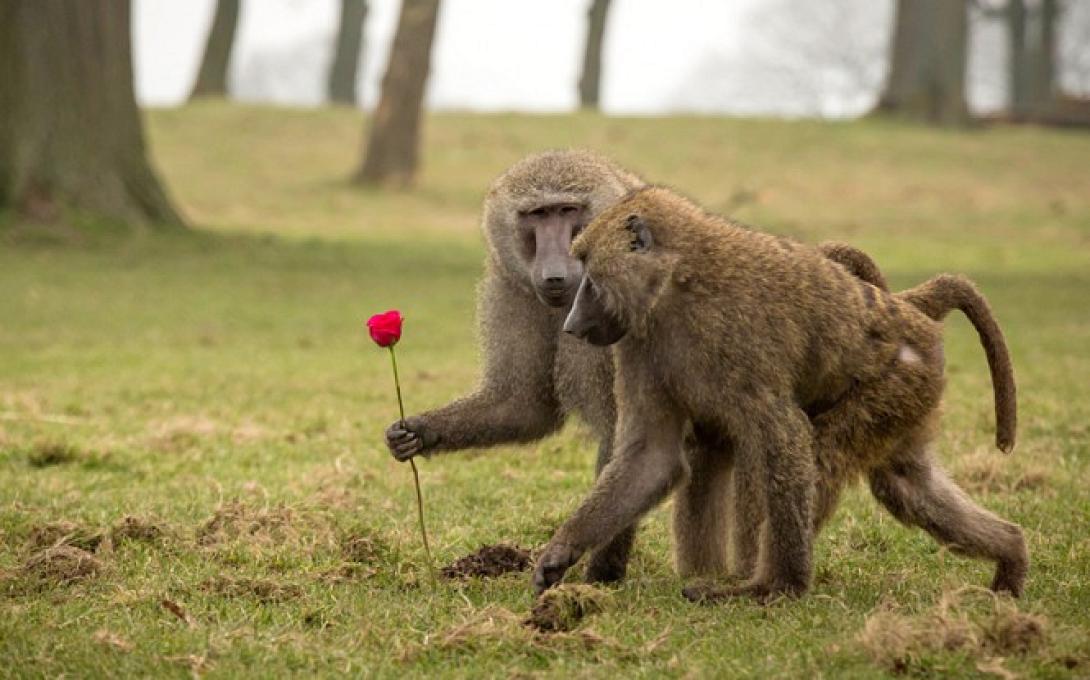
(416, 476)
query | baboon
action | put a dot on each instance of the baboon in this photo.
(534, 375)
(813, 376)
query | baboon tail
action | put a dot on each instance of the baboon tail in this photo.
(936, 298)
(858, 263)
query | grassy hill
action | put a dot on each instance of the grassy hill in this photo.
(217, 390)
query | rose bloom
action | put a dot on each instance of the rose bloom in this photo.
(385, 328)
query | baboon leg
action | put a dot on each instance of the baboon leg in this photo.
(609, 562)
(774, 446)
(747, 513)
(701, 511)
(918, 492)
(647, 464)
(826, 498)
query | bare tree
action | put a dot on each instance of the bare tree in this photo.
(212, 75)
(394, 140)
(346, 54)
(928, 59)
(71, 137)
(590, 82)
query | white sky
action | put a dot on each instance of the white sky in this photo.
(780, 57)
(489, 54)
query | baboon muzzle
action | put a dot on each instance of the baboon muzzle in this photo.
(589, 319)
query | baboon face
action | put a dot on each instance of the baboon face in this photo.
(625, 273)
(545, 236)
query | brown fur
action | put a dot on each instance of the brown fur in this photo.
(812, 376)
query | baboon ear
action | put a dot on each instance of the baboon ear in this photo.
(641, 234)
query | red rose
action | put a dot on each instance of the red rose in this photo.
(385, 328)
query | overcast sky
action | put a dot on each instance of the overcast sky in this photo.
(489, 54)
(780, 57)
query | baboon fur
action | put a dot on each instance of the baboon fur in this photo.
(534, 376)
(812, 376)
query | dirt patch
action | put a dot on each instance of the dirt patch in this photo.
(488, 562)
(970, 620)
(59, 565)
(264, 590)
(54, 534)
(561, 609)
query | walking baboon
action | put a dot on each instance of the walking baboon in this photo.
(533, 374)
(813, 376)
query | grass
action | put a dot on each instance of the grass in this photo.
(192, 477)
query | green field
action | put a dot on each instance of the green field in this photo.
(217, 388)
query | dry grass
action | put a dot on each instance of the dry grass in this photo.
(59, 565)
(562, 609)
(987, 471)
(262, 589)
(972, 621)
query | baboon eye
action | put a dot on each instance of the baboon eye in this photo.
(539, 212)
(641, 234)
(568, 209)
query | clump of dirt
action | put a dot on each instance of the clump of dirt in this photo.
(53, 534)
(986, 631)
(264, 590)
(59, 565)
(132, 528)
(488, 562)
(560, 609)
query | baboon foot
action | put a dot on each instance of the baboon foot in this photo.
(551, 566)
(1010, 577)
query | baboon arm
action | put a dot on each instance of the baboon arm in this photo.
(647, 463)
(515, 400)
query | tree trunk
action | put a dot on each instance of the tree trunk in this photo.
(394, 141)
(71, 137)
(212, 76)
(1042, 61)
(1032, 67)
(1016, 65)
(346, 55)
(928, 58)
(590, 82)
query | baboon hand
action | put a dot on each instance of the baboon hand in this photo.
(553, 563)
(409, 437)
